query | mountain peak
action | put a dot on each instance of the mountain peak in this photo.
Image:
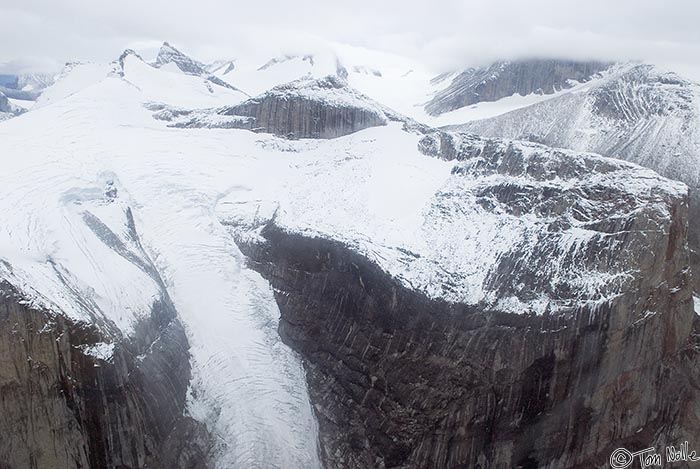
(169, 54)
(128, 52)
(119, 63)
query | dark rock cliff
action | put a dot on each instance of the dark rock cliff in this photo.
(399, 380)
(63, 407)
(306, 108)
(504, 79)
(81, 393)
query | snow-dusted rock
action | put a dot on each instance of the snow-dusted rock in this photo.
(92, 345)
(503, 79)
(530, 309)
(170, 56)
(7, 110)
(516, 227)
(305, 108)
(637, 112)
(455, 301)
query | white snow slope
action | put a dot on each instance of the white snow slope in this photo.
(247, 386)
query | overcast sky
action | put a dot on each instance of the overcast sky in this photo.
(443, 34)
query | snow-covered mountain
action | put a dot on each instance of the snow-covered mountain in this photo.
(172, 60)
(221, 68)
(398, 82)
(255, 403)
(19, 92)
(306, 108)
(191, 277)
(636, 112)
(504, 79)
(8, 108)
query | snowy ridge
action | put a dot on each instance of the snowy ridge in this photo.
(169, 55)
(67, 244)
(330, 90)
(74, 77)
(80, 259)
(257, 77)
(503, 79)
(416, 218)
(173, 60)
(182, 89)
(221, 68)
(638, 112)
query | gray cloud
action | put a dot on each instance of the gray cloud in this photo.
(444, 34)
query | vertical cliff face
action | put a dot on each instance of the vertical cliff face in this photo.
(73, 395)
(400, 379)
(305, 117)
(305, 108)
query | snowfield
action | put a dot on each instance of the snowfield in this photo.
(247, 386)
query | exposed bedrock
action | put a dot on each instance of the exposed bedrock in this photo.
(7, 109)
(638, 113)
(68, 401)
(502, 79)
(305, 108)
(402, 380)
(300, 117)
(399, 380)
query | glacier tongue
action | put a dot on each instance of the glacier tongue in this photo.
(247, 386)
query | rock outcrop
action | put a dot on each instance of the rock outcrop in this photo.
(72, 395)
(7, 109)
(504, 79)
(403, 379)
(82, 388)
(4, 104)
(305, 108)
(637, 113)
(170, 55)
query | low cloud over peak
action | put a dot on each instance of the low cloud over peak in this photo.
(444, 35)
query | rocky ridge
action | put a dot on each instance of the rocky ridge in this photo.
(402, 379)
(305, 108)
(638, 113)
(170, 55)
(503, 79)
